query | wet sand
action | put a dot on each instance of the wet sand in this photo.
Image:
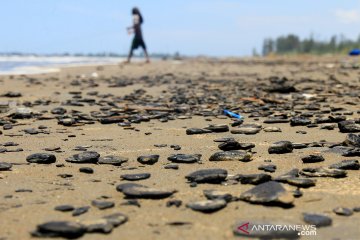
(21, 212)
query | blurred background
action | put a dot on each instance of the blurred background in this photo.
(180, 27)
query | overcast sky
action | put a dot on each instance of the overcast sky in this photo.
(192, 27)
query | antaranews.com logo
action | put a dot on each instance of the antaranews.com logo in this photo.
(274, 230)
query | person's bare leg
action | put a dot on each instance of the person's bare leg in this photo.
(146, 56)
(129, 56)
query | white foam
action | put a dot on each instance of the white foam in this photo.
(41, 64)
(37, 65)
(59, 59)
(29, 70)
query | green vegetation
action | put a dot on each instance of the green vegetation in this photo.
(292, 44)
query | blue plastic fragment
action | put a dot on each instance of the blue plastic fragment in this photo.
(231, 114)
(354, 52)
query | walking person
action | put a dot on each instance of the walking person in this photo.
(138, 40)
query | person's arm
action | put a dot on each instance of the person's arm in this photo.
(130, 30)
(136, 20)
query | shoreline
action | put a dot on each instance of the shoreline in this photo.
(85, 61)
(39, 65)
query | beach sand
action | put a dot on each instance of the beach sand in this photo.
(231, 80)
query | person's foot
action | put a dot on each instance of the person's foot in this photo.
(147, 61)
(126, 62)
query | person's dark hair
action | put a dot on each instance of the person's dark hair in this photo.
(136, 11)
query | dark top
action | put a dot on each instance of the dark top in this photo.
(137, 26)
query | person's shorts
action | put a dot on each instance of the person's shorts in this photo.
(138, 42)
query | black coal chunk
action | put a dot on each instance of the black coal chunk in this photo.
(352, 140)
(216, 194)
(218, 128)
(253, 178)
(208, 176)
(299, 121)
(185, 158)
(135, 176)
(234, 145)
(174, 202)
(148, 159)
(268, 168)
(113, 160)
(207, 206)
(102, 204)
(146, 192)
(269, 193)
(87, 170)
(318, 220)
(323, 172)
(122, 186)
(343, 211)
(242, 156)
(349, 127)
(80, 210)
(84, 157)
(312, 158)
(58, 110)
(194, 131)
(12, 94)
(62, 229)
(41, 158)
(64, 208)
(5, 166)
(346, 165)
(281, 147)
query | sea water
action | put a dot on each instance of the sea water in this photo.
(36, 64)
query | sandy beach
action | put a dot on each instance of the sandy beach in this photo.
(133, 110)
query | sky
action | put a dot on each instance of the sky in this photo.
(190, 27)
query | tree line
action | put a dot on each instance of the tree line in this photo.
(292, 44)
